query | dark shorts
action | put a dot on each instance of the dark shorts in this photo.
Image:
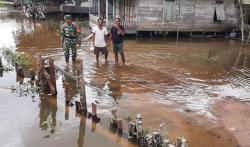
(118, 48)
(103, 50)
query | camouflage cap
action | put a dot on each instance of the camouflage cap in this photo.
(67, 17)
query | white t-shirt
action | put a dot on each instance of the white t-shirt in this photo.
(99, 36)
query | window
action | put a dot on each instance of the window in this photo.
(219, 11)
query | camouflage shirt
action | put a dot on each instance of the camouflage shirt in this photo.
(70, 32)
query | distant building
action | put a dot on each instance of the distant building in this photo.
(169, 15)
(62, 6)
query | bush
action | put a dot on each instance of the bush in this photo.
(14, 57)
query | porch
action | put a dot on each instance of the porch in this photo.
(111, 9)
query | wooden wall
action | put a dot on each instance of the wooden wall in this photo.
(189, 15)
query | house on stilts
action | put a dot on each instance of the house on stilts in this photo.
(169, 15)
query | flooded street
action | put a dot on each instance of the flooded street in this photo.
(181, 83)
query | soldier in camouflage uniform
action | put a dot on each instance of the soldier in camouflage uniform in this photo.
(70, 38)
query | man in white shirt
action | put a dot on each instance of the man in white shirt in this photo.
(99, 35)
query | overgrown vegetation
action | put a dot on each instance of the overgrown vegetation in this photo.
(147, 131)
(14, 57)
(129, 117)
(6, 68)
(25, 89)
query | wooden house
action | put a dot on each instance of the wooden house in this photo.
(169, 15)
(245, 5)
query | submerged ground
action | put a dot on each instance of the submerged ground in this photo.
(199, 87)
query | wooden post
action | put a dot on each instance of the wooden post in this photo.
(66, 113)
(203, 36)
(113, 119)
(81, 136)
(40, 66)
(19, 70)
(131, 129)
(93, 126)
(44, 78)
(32, 75)
(19, 79)
(49, 81)
(78, 106)
(94, 112)
(178, 142)
(1, 64)
(1, 67)
(52, 73)
(137, 33)
(119, 124)
(66, 91)
(81, 84)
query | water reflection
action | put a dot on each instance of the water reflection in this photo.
(114, 82)
(66, 112)
(107, 78)
(93, 126)
(81, 135)
(48, 110)
(19, 79)
(70, 89)
(243, 58)
(70, 84)
(38, 36)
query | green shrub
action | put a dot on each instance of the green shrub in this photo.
(128, 117)
(14, 57)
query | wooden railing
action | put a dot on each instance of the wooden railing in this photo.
(127, 24)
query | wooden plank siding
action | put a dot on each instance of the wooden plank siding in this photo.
(245, 2)
(74, 9)
(190, 15)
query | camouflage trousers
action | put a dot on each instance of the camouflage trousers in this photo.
(70, 44)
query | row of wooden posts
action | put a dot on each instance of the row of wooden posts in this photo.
(47, 80)
(145, 139)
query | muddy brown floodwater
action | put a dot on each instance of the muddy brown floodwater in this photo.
(196, 86)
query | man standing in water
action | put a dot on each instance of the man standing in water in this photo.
(70, 38)
(99, 36)
(116, 35)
